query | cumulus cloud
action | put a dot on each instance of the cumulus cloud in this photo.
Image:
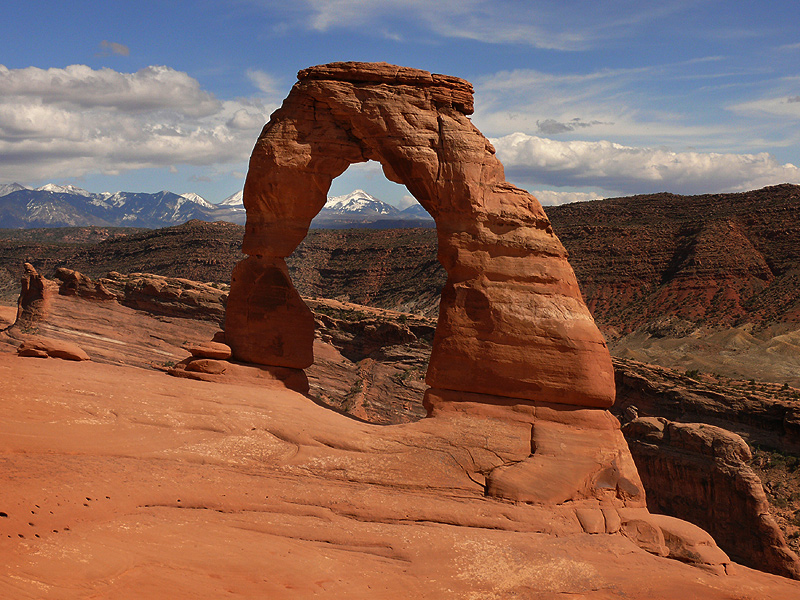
(532, 160)
(245, 119)
(114, 48)
(79, 86)
(73, 121)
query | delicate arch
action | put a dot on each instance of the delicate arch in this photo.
(512, 322)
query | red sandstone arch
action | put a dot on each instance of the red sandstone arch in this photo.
(512, 322)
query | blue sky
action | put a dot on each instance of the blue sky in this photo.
(581, 99)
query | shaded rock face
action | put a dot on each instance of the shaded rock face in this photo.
(512, 322)
(699, 473)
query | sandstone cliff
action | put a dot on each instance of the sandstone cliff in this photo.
(700, 473)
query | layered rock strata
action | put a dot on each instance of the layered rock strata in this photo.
(139, 319)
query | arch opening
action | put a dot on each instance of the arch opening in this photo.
(371, 278)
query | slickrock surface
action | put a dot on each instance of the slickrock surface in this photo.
(111, 329)
(171, 488)
(511, 319)
(489, 445)
(700, 473)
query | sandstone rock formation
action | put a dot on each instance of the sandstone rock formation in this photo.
(215, 350)
(766, 414)
(699, 473)
(78, 284)
(165, 477)
(515, 343)
(97, 316)
(512, 322)
(34, 297)
(40, 347)
(167, 487)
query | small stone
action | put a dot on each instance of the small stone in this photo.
(215, 350)
(207, 365)
(40, 347)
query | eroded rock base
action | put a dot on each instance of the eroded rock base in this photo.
(575, 460)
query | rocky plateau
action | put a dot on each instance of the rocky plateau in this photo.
(243, 486)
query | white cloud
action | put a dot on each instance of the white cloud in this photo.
(151, 88)
(555, 198)
(76, 121)
(533, 161)
(266, 83)
(610, 103)
(246, 120)
(783, 106)
(406, 201)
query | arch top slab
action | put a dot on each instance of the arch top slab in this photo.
(512, 321)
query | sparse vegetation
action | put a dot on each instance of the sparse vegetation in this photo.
(693, 374)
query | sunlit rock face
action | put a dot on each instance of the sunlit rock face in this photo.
(512, 321)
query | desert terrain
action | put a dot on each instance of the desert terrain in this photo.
(124, 482)
(170, 435)
(119, 490)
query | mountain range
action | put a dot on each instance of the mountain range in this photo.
(69, 206)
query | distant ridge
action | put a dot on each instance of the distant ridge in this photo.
(661, 262)
(54, 205)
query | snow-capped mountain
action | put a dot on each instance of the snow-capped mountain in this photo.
(234, 200)
(359, 202)
(197, 199)
(416, 211)
(63, 189)
(59, 206)
(7, 188)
